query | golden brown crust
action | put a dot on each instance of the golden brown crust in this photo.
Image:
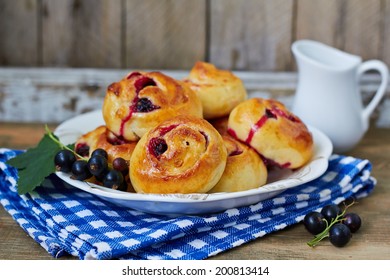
(244, 169)
(219, 90)
(273, 131)
(98, 138)
(142, 100)
(182, 155)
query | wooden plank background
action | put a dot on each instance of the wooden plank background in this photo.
(58, 56)
(253, 35)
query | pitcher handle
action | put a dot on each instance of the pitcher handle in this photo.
(384, 72)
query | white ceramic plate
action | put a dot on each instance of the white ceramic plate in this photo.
(178, 204)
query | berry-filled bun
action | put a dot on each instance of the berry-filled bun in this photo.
(182, 155)
(244, 169)
(99, 138)
(219, 90)
(142, 100)
(279, 136)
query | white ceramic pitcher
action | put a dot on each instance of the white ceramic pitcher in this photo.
(328, 95)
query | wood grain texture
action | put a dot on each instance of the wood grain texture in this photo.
(371, 242)
(19, 33)
(84, 33)
(165, 34)
(385, 43)
(351, 25)
(57, 94)
(251, 36)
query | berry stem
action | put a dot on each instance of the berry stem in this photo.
(53, 137)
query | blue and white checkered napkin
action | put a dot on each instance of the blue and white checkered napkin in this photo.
(66, 220)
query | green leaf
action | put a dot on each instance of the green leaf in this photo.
(36, 163)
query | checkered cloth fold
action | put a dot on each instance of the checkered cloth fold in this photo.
(66, 220)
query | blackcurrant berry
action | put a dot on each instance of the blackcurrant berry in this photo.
(97, 165)
(314, 222)
(157, 146)
(121, 165)
(144, 105)
(339, 235)
(113, 179)
(353, 221)
(100, 152)
(330, 212)
(82, 149)
(80, 170)
(64, 160)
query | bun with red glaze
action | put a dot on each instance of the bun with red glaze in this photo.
(184, 154)
(142, 100)
(267, 126)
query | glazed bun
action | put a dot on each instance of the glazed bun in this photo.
(182, 155)
(142, 100)
(275, 133)
(100, 138)
(244, 169)
(219, 90)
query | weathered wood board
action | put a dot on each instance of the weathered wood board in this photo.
(247, 35)
(52, 95)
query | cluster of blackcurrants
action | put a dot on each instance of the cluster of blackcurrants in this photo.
(332, 222)
(97, 166)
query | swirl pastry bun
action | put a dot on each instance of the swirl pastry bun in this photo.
(142, 100)
(275, 133)
(244, 169)
(219, 90)
(100, 138)
(182, 155)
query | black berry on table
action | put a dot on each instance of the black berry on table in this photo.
(339, 235)
(314, 222)
(353, 221)
(330, 212)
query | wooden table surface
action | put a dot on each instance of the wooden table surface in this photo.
(371, 242)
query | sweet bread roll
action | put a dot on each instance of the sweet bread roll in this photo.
(244, 169)
(100, 138)
(182, 155)
(219, 90)
(142, 100)
(274, 132)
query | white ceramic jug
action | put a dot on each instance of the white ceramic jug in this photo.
(328, 95)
